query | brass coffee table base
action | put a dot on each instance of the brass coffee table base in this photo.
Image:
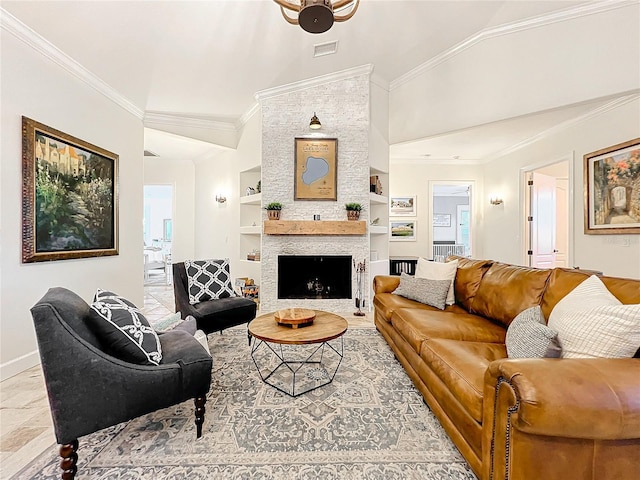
(294, 370)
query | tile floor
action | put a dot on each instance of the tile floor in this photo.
(26, 429)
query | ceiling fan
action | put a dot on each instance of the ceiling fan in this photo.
(317, 16)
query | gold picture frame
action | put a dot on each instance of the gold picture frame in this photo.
(316, 169)
(69, 196)
(611, 191)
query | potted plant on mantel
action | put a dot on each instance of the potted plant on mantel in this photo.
(353, 210)
(273, 210)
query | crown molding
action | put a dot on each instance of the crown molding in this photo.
(246, 116)
(509, 28)
(187, 121)
(607, 107)
(433, 161)
(314, 82)
(29, 37)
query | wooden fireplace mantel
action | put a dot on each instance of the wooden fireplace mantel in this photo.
(314, 227)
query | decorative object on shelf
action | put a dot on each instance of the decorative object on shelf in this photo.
(254, 256)
(441, 220)
(403, 231)
(375, 185)
(295, 317)
(273, 210)
(250, 191)
(259, 186)
(353, 210)
(403, 206)
(69, 196)
(360, 268)
(317, 16)
(316, 167)
(612, 190)
(221, 198)
(375, 221)
(315, 123)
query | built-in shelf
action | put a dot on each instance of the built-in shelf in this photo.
(250, 230)
(378, 199)
(378, 230)
(255, 199)
(255, 262)
(315, 227)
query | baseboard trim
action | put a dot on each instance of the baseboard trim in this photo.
(18, 365)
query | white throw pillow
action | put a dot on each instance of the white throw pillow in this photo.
(439, 271)
(592, 323)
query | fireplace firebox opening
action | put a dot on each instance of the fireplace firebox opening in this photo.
(314, 276)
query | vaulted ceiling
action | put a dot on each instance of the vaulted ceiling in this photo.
(207, 59)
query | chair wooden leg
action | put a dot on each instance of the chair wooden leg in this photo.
(69, 454)
(199, 401)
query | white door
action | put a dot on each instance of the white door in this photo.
(543, 223)
(463, 228)
(562, 222)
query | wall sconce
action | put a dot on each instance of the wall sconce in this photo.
(315, 123)
(495, 200)
(221, 198)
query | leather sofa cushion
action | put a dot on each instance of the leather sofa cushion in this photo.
(387, 303)
(562, 281)
(461, 367)
(506, 290)
(468, 277)
(416, 326)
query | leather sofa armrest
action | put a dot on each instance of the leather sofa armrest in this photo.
(571, 398)
(385, 283)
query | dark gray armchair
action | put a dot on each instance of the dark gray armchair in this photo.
(90, 390)
(211, 315)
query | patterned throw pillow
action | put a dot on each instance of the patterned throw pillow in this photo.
(529, 337)
(124, 330)
(592, 323)
(424, 290)
(439, 271)
(208, 280)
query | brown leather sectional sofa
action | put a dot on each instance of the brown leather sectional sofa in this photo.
(535, 419)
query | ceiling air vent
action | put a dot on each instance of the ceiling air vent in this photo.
(322, 49)
(149, 153)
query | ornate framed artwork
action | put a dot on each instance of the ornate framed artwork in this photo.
(69, 196)
(612, 189)
(403, 206)
(316, 169)
(402, 230)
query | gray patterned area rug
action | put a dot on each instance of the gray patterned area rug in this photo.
(369, 423)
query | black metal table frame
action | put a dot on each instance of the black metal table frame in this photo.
(289, 363)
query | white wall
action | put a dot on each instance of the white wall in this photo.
(502, 239)
(37, 88)
(181, 175)
(413, 179)
(527, 71)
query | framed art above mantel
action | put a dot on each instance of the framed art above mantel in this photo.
(69, 196)
(316, 169)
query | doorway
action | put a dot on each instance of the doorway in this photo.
(548, 212)
(450, 218)
(158, 233)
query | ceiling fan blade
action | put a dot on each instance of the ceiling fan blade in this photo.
(342, 18)
(288, 5)
(292, 21)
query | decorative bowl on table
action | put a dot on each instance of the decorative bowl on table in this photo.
(295, 317)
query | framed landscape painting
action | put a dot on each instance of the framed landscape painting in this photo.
(69, 196)
(403, 206)
(402, 230)
(612, 189)
(316, 169)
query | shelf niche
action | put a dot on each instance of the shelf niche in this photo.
(315, 227)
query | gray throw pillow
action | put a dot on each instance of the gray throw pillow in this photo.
(529, 337)
(424, 290)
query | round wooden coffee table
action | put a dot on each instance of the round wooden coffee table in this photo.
(290, 368)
